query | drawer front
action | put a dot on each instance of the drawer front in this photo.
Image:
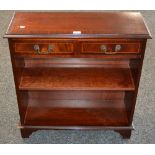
(43, 48)
(111, 48)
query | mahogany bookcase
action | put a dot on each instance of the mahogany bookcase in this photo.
(77, 70)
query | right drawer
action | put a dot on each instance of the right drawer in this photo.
(111, 47)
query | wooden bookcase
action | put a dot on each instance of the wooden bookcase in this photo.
(79, 74)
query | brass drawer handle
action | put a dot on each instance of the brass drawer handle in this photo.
(37, 49)
(106, 51)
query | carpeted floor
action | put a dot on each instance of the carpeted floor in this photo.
(144, 117)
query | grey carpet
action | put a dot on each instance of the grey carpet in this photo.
(144, 117)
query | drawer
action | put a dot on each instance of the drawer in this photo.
(43, 48)
(111, 48)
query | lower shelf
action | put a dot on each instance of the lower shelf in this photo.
(76, 113)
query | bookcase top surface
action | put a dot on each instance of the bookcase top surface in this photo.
(77, 25)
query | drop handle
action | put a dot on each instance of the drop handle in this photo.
(38, 51)
(105, 50)
(109, 51)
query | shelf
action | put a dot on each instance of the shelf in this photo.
(43, 112)
(76, 79)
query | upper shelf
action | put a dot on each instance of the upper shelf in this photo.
(77, 25)
(77, 79)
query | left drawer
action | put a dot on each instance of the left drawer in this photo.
(43, 47)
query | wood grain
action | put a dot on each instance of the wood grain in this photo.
(57, 47)
(76, 79)
(76, 94)
(76, 112)
(125, 47)
(91, 24)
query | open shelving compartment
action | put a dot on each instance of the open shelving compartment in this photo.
(75, 96)
(76, 79)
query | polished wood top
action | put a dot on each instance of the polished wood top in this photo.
(66, 24)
